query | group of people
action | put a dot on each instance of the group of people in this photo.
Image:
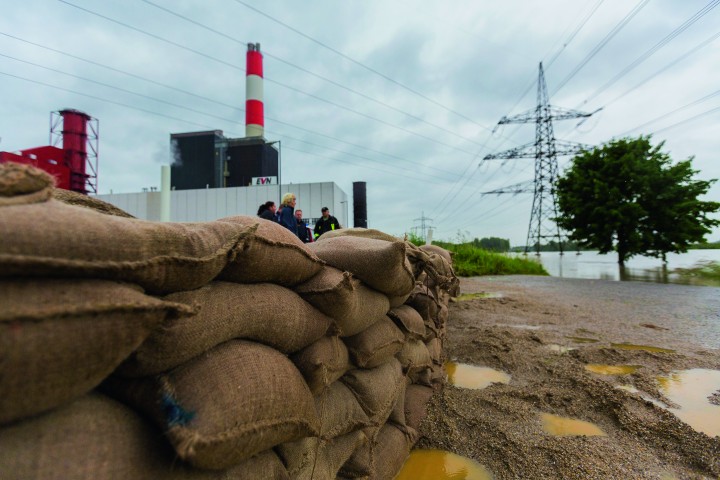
(288, 217)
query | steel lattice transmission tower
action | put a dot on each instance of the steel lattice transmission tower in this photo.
(545, 151)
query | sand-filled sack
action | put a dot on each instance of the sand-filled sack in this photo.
(390, 450)
(409, 321)
(414, 356)
(378, 263)
(425, 303)
(339, 411)
(375, 345)
(337, 294)
(360, 463)
(446, 254)
(24, 184)
(359, 232)
(434, 346)
(52, 239)
(234, 401)
(376, 389)
(272, 254)
(265, 313)
(81, 200)
(96, 437)
(60, 338)
(416, 401)
(315, 459)
(322, 362)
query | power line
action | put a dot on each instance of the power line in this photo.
(609, 36)
(652, 50)
(360, 64)
(267, 79)
(309, 72)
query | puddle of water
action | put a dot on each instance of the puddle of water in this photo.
(563, 426)
(611, 369)
(583, 339)
(472, 296)
(647, 348)
(470, 376)
(554, 347)
(690, 390)
(441, 465)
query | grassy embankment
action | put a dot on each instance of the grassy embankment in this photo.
(470, 261)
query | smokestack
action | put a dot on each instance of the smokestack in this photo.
(254, 111)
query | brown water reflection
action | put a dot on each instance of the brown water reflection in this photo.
(441, 465)
(471, 376)
(691, 391)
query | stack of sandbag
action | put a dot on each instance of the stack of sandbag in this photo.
(225, 349)
(373, 378)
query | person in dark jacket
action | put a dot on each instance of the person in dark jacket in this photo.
(303, 230)
(326, 223)
(287, 213)
(267, 211)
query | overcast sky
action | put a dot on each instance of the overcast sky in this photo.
(402, 94)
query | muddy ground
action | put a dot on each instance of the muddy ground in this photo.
(512, 330)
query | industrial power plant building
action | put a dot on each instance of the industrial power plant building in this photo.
(206, 204)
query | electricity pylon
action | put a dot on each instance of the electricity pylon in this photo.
(545, 151)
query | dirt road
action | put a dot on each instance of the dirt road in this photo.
(544, 332)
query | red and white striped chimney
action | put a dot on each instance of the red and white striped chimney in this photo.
(254, 112)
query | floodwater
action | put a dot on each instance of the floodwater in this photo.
(594, 266)
(583, 339)
(564, 427)
(470, 376)
(441, 465)
(691, 390)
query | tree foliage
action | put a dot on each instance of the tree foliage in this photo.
(629, 197)
(492, 244)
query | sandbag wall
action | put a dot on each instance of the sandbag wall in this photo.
(226, 349)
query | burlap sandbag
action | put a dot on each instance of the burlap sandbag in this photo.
(360, 464)
(434, 346)
(52, 239)
(24, 184)
(315, 459)
(61, 338)
(339, 411)
(322, 362)
(272, 254)
(376, 344)
(378, 263)
(235, 401)
(96, 437)
(337, 294)
(359, 232)
(425, 303)
(409, 321)
(398, 301)
(265, 313)
(414, 356)
(416, 401)
(81, 200)
(446, 254)
(376, 389)
(390, 450)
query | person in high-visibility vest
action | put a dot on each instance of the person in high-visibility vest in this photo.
(326, 223)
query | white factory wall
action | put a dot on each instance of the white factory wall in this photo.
(212, 203)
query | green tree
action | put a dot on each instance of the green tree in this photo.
(492, 244)
(627, 196)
